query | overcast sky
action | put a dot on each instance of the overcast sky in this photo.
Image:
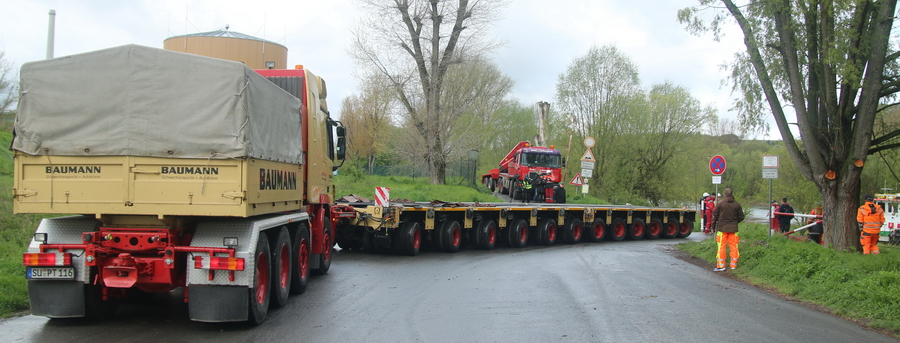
(542, 37)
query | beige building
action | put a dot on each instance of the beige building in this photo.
(230, 45)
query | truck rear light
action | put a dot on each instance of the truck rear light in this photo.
(219, 263)
(47, 259)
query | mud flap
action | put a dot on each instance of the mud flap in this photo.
(56, 299)
(212, 303)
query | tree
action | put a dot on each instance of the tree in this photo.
(414, 44)
(596, 91)
(9, 90)
(368, 119)
(825, 60)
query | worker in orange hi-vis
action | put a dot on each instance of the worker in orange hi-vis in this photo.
(870, 217)
(726, 216)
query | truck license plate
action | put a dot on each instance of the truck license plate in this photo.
(56, 273)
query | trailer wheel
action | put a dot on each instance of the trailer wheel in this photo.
(328, 246)
(596, 232)
(636, 229)
(571, 232)
(616, 230)
(546, 231)
(517, 233)
(653, 229)
(281, 268)
(670, 229)
(259, 293)
(369, 243)
(300, 267)
(409, 239)
(486, 235)
(685, 229)
(449, 237)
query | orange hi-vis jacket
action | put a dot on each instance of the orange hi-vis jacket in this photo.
(871, 217)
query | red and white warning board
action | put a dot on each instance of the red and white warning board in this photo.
(577, 180)
(382, 196)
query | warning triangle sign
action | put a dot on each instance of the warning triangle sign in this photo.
(577, 181)
(588, 156)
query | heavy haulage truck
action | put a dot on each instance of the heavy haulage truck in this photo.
(528, 163)
(406, 228)
(181, 171)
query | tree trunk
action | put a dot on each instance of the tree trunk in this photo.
(839, 207)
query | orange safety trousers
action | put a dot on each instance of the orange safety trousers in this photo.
(869, 243)
(729, 240)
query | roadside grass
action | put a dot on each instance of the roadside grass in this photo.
(415, 189)
(861, 287)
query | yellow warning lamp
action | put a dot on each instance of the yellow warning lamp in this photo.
(527, 144)
(552, 147)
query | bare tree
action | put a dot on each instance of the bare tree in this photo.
(9, 89)
(367, 117)
(414, 44)
(827, 61)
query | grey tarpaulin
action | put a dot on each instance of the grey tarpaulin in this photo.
(140, 101)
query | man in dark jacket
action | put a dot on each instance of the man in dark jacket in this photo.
(784, 220)
(725, 218)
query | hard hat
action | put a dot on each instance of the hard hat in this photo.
(706, 194)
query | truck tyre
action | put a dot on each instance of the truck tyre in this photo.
(596, 232)
(546, 231)
(492, 184)
(572, 231)
(517, 233)
(409, 238)
(616, 230)
(685, 229)
(670, 229)
(369, 243)
(327, 248)
(653, 229)
(486, 235)
(259, 293)
(636, 229)
(95, 308)
(281, 268)
(300, 267)
(449, 236)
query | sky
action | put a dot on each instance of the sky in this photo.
(540, 39)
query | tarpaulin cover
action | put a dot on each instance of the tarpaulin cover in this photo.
(140, 101)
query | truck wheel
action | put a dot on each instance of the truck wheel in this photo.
(685, 229)
(517, 233)
(325, 256)
(596, 232)
(410, 238)
(369, 243)
(492, 184)
(300, 267)
(546, 231)
(281, 268)
(486, 235)
(670, 229)
(616, 230)
(571, 232)
(259, 293)
(449, 236)
(636, 229)
(653, 229)
(95, 307)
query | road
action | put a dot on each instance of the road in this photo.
(630, 291)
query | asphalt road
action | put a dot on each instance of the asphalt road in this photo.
(630, 291)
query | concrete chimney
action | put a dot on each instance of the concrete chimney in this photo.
(51, 31)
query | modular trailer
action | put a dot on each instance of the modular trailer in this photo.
(407, 228)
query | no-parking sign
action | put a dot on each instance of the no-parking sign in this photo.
(717, 165)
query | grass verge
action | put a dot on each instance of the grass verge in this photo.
(865, 288)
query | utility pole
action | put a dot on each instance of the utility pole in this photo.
(542, 108)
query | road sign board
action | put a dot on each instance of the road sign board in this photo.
(770, 161)
(770, 173)
(587, 164)
(584, 189)
(717, 165)
(717, 180)
(587, 173)
(588, 156)
(577, 181)
(589, 142)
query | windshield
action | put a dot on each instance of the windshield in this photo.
(541, 160)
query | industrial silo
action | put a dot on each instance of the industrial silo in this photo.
(230, 45)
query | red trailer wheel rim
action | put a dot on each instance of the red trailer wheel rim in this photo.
(456, 237)
(598, 230)
(638, 229)
(671, 229)
(417, 239)
(576, 231)
(619, 229)
(655, 229)
(303, 258)
(326, 250)
(523, 234)
(262, 277)
(492, 235)
(551, 233)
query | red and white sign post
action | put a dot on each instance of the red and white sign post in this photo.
(382, 196)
